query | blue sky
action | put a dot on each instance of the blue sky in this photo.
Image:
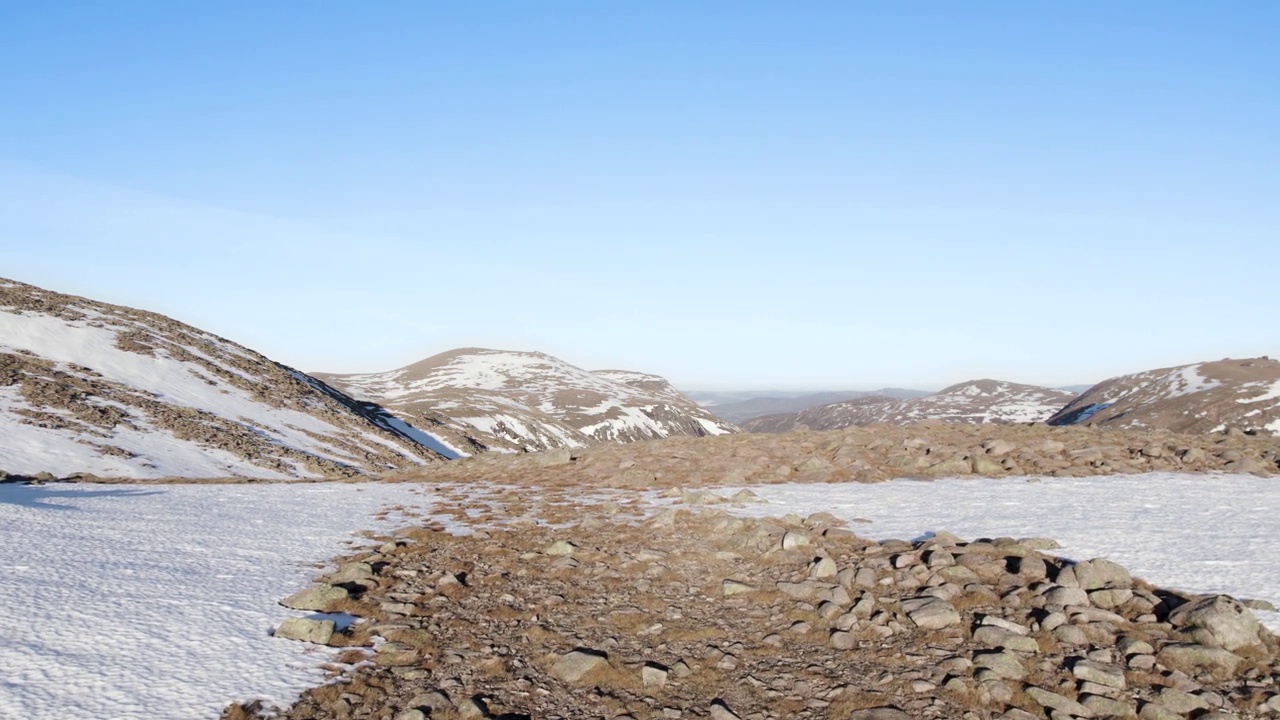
(732, 194)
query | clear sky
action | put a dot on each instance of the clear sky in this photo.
(732, 194)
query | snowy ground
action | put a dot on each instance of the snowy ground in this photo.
(121, 602)
(156, 601)
(1198, 533)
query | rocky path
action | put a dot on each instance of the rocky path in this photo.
(562, 608)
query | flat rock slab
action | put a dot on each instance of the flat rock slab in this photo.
(573, 666)
(312, 631)
(317, 598)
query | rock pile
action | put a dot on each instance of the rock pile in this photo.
(701, 614)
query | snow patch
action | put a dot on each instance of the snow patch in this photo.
(134, 601)
(1203, 534)
(1188, 380)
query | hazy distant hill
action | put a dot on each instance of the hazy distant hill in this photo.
(739, 409)
(1201, 398)
(482, 400)
(976, 401)
(87, 387)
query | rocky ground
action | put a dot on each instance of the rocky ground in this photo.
(573, 603)
(695, 613)
(872, 454)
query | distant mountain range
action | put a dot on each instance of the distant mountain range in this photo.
(483, 400)
(88, 387)
(973, 402)
(738, 407)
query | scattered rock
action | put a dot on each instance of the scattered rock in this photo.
(571, 667)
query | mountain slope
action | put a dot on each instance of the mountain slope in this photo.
(973, 402)
(507, 400)
(87, 387)
(1200, 398)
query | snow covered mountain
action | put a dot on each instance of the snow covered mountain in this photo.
(482, 399)
(87, 387)
(1201, 398)
(973, 402)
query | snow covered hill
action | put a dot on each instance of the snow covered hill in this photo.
(974, 402)
(482, 399)
(87, 387)
(1201, 398)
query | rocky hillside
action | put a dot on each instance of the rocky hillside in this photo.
(514, 401)
(1203, 398)
(973, 402)
(87, 387)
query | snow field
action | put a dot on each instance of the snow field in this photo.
(1199, 533)
(133, 601)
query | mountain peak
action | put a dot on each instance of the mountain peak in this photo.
(520, 400)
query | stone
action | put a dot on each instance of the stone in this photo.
(410, 714)
(1064, 596)
(1032, 569)
(799, 591)
(653, 675)
(1102, 706)
(733, 587)
(1094, 575)
(396, 654)
(720, 711)
(1190, 657)
(999, 622)
(1095, 672)
(435, 701)
(1181, 702)
(931, 613)
(879, 713)
(792, 540)
(560, 548)
(312, 631)
(982, 465)
(1133, 646)
(473, 709)
(1156, 711)
(842, 640)
(1004, 664)
(1110, 598)
(358, 572)
(957, 465)
(823, 568)
(317, 598)
(551, 458)
(998, 447)
(571, 667)
(1001, 638)
(1055, 701)
(1224, 621)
